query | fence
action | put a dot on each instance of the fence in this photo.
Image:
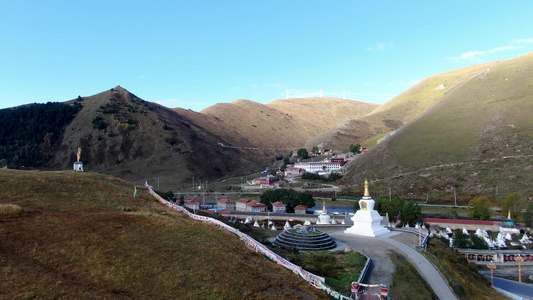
(314, 280)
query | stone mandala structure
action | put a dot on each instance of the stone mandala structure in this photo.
(305, 239)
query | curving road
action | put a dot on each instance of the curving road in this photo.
(383, 268)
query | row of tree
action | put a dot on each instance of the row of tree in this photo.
(28, 133)
(289, 197)
(481, 208)
(314, 176)
(406, 212)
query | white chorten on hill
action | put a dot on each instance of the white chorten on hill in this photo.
(367, 221)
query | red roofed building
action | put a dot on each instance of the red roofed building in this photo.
(269, 180)
(278, 207)
(300, 209)
(240, 205)
(226, 204)
(260, 207)
(193, 204)
(255, 206)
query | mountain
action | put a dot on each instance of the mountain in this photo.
(286, 123)
(397, 112)
(474, 137)
(125, 136)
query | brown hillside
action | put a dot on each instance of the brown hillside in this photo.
(326, 112)
(82, 235)
(476, 138)
(262, 125)
(122, 135)
(286, 122)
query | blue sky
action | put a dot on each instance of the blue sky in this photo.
(193, 54)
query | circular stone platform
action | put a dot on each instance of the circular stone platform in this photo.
(305, 240)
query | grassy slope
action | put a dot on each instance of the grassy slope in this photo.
(462, 276)
(462, 139)
(74, 239)
(262, 125)
(397, 112)
(286, 122)
(325, 112)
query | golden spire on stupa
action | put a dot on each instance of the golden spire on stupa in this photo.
(324, 211)
(367, 193)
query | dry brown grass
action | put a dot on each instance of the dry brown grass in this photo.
(76, 241)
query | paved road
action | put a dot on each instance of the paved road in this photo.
(428, 271)
(378, 248)
(523, 290)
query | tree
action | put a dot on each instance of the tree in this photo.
(461, 240)
(355, 148)
(478, 243)
(410, 214)
(314, 150)
(182, 200)
(302, 153)
(289, 197)
(393, 208)
(514, 203)
(479, 208)
(528, 215)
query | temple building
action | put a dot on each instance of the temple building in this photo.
(367, 221)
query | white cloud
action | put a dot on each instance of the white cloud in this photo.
(381, 46)
(523, 41)
(141, 76)
(477, 55)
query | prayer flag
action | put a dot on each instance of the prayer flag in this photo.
(135, 192)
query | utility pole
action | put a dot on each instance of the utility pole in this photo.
(455, 196)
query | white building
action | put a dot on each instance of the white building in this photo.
(320, 167)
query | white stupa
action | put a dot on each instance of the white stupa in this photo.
(367, 221)
(324, 218)
(287, 225)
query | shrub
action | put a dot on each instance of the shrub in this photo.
(10, 209)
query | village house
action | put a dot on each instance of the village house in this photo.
(300, 209)
(291, 172)
(226, 204)
(269, 180)
(194, 205)
(255, 206)
(240, 205)
(278, 207)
